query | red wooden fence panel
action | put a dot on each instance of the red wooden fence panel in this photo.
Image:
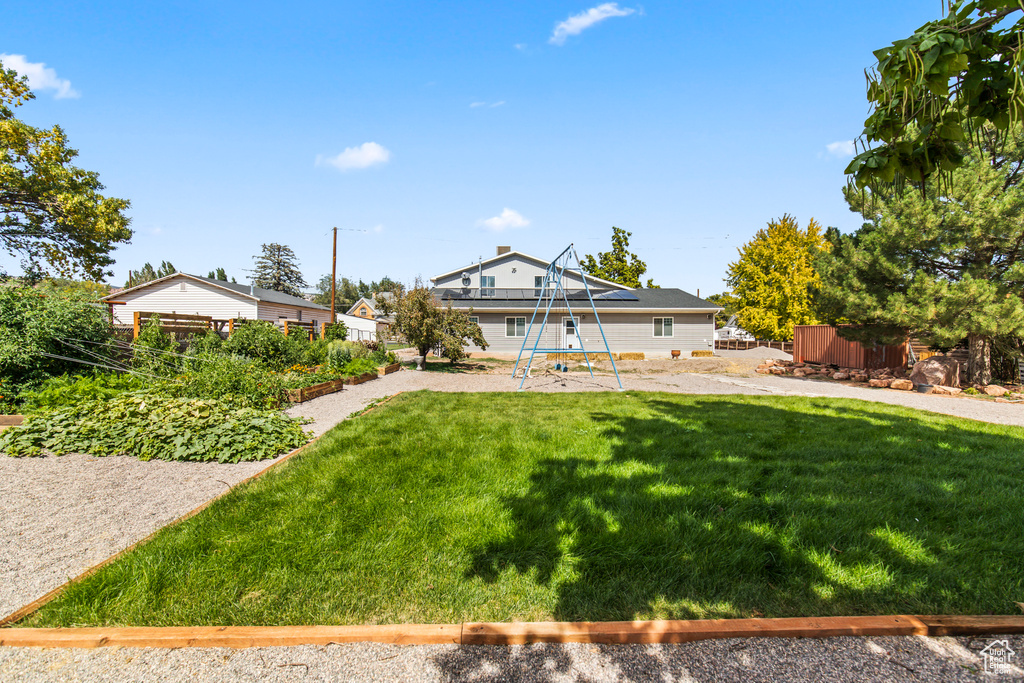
(822, 344)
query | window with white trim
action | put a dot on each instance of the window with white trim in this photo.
(515, 327)
(474, 319)
(538, 285)
(486, 281)
(663, 327)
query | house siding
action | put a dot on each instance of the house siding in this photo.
(626, 332)
(275, 312)
(501, 269)
(198, 298)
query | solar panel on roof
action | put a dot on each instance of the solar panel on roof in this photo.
(617, 295)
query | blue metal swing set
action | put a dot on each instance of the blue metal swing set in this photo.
(553, 293)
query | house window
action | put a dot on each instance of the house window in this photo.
(515, 327)
(486, 281)
(474, 319)
(538, 285)
(300, 315)
(362, 312)
(663, 327)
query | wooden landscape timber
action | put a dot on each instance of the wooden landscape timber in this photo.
(10, 421)
(516, 633)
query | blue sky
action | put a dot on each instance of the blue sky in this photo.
(444, 129)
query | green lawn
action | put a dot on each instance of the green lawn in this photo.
(450, 507)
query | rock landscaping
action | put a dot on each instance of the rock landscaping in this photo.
(939, 375)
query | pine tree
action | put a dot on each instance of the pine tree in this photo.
(945, 266)
(278, 269)
(773, 280)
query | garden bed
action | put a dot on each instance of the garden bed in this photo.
(442, 508)
(388, 369)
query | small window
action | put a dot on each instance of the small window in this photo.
(362, 312)
(538, 285)
(474, 319)
(485, 282)
(299, 318)
(515, 327)
(663, 327)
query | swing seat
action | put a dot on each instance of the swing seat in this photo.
(565, 368)
(558, 366)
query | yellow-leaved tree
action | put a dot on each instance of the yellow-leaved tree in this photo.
(773, 280)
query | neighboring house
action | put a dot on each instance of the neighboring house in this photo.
(359, 328)
(503, 292)
(732, 330)
(193, 295)
(367, 307)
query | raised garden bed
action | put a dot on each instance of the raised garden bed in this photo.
(10, 421)
(388, 369)
(359, 379)
(315, 391)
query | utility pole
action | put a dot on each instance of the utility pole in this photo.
(334, 273)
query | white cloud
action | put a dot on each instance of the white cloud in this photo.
(841, 148)
(474, 105)
(578, 23)
(506, 219)
(363, 156)
(40, 77)
(497, 104)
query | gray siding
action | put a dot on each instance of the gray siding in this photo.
(633, 332)
(275, 312)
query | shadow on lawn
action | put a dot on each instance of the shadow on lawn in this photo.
(725, 508)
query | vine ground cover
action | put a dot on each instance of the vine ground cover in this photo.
(451, 507)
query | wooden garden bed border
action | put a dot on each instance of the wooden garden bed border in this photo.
(31, 607)
(612, 632)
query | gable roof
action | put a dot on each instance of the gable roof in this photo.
(369, 301)
(257, 293)
(525, 257)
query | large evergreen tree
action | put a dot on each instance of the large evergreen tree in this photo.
(52, 212)
(944, 266)
(278, 269)
(147, 273)
(774, 278)
(619, 264)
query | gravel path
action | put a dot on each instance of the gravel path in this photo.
(61, 515)
(829, 659)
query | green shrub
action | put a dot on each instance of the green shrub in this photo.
(148, 427)
(339, 353)
(155, 351)
(32, 325)
(210, 342)
(315, 352)
(261, 340)
(67, 390)
(336, 332)
(235, 379)
(359, 366)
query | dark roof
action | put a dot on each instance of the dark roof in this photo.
(641, 299)
(269, 295)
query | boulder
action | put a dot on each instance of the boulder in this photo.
(860, 377)
(937, 371)
(762, 371)
(882, 383)
(776, 370)
(995, 390)
(947, 391)
(840, 375)
(902, 384)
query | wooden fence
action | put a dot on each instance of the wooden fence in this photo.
(743, 345)
(821, 344)
(183, 326)
(292, 325)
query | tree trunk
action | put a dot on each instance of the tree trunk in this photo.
(979, 361)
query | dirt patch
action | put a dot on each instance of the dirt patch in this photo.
(667, 366)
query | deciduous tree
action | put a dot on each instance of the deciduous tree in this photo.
(278, 269)
(619, 264)
(425, 324)
(773, 279)
(944, 266)
(938, 87)
(52, 212)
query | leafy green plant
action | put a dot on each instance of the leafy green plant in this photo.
(153, 427)
(971, 391)
(336, 332)
(315, 352)
(236, 379)
(205, 343)
(67, 390)
(300, 376)
(359, 366)
(34, 328)
(154, 351)
(259, 339)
